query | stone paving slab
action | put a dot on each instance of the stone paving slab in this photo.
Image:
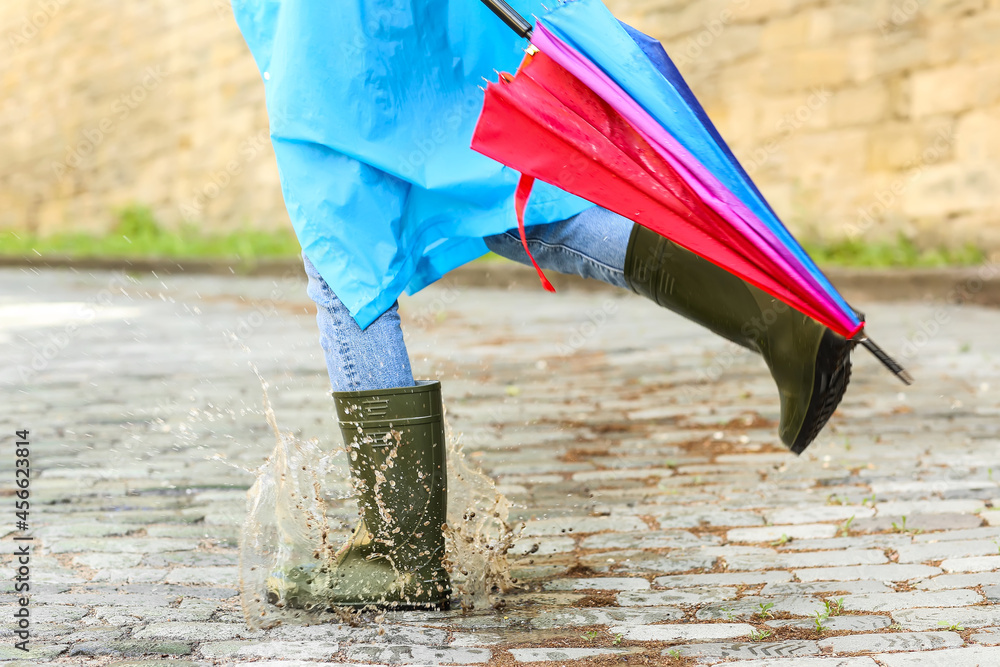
(860, 587)
(896, 641)
(896, 601)
(749, 651)
(973, 656)
(722, 579)
(598, 583)
(953, 551)
(748, 607)
(559, 654)
(964, 617)
(805, 531)
(682, 597)
(889, 572)
(838, 623)
(607, 616)
(661, 513)
(807, 662)
(980, 564)
(426, 655)
(988, 636)
(682, 632)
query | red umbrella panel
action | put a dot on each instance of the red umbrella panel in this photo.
(591, 151)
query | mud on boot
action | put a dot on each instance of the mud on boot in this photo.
(395, 441)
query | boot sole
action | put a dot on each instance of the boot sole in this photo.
(443, 605)
(833, 373)
(438, 605)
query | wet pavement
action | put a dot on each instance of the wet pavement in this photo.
(663, 524)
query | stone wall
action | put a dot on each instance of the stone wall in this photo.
(860, 118)
(106, 103)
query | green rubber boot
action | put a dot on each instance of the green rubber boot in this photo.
(810, 363)
(395, 440)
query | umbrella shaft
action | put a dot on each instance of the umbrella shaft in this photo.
(514, 21)
(887, 361)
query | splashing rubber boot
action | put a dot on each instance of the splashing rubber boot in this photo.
(810, 363)
(395, 441)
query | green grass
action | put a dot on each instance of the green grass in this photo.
(902, 253)
(137, 234)
(861, 254)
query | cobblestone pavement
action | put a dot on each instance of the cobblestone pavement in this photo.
(663, 524)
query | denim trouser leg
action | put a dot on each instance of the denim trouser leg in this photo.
(591, 244)
(358, 360)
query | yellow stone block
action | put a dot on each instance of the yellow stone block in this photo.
(859, 105)
(977, 136)
(943, 90)
(815, 67)
(951, 188)
(785, 32)
(892, 147)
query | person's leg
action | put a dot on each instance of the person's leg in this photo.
(393, 428)
(592, 244)
(809, 363)
(356, 359)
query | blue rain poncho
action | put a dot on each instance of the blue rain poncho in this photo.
(372, 106)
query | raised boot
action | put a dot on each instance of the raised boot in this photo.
(810, 364)
(395, 441)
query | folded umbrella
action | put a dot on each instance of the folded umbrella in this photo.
(598, 109)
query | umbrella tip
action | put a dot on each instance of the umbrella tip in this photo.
(894, 367)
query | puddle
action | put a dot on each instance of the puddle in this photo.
(302, 509)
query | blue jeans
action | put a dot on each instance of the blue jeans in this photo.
(591, 244)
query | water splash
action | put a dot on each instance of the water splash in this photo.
(302, 509)
(478, 535)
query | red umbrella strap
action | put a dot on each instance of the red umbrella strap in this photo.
(520, 201)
